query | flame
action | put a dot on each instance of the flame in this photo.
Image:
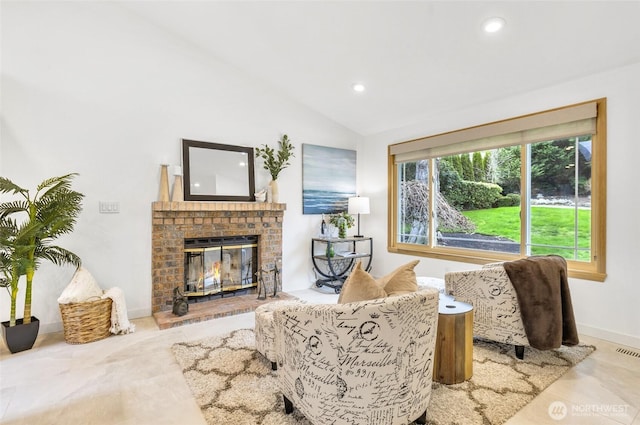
(215, 271)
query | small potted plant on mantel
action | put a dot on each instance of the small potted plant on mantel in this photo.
(27, 228)
(274, 162)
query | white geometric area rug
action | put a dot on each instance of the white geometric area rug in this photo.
(234, 385)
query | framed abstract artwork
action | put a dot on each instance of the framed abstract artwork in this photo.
(328, 179)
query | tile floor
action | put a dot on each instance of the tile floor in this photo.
(134, 380)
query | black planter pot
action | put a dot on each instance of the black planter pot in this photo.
(20, 337)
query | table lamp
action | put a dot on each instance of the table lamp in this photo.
(358, 205)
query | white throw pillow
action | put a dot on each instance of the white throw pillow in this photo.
(83, 287)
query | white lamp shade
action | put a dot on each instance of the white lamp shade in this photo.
(358, 205)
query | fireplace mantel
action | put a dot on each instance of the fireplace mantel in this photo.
(217, 206)
(173, 222)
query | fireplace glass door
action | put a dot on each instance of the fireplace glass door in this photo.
(223, 266)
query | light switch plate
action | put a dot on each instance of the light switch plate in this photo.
(109, 207)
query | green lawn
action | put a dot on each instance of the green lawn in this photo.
(549, 226)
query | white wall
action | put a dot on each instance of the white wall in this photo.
(89, 88)
(608, 310)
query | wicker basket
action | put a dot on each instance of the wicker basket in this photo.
(87, 321)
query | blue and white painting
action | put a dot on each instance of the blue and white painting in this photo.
(328, 179)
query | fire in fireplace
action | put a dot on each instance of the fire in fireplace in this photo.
(219, 265)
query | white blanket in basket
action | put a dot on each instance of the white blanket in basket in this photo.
(119, 320)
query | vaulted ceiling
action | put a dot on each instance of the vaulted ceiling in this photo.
(415, 58)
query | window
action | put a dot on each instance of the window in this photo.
(531, 185)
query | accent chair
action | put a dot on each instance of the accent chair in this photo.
(366, 362)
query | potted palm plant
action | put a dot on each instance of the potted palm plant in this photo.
(28, 226)
(275, 162)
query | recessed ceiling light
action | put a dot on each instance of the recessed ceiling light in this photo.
(358, 87)
(493, 24)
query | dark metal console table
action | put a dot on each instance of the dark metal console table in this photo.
(333, 259)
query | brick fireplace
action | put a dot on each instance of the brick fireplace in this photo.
(173, 222)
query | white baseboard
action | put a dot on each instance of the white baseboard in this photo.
(138, 313)
(614, 337)
(48, 328)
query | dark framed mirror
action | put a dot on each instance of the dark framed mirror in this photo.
(217, 172)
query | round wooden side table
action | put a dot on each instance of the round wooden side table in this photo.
(453, 362)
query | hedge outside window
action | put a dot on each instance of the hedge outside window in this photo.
(531, 185)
